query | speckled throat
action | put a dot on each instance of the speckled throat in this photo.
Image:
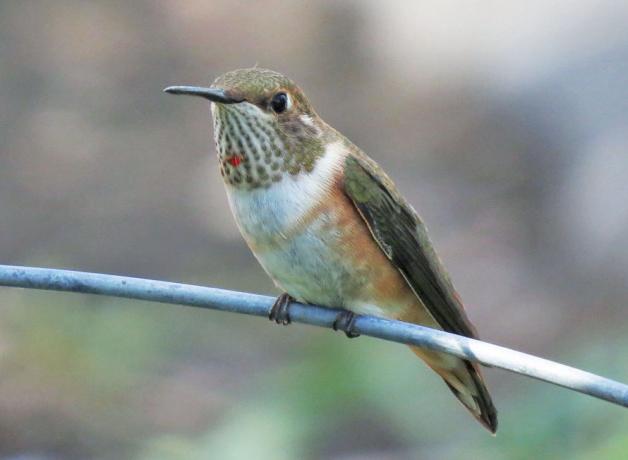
(254, 151)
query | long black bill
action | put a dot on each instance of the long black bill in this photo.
(213, 94)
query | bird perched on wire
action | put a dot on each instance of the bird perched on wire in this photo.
(326, 222)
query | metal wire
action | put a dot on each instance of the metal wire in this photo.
(258, 305)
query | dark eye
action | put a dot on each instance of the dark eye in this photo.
(279, 102)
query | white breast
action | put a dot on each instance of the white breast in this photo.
(303, 262)
(299, 258)
(270, 212)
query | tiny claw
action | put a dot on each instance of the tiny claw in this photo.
(280, 312)
(345, 321)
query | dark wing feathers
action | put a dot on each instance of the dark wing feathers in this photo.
(402, 236)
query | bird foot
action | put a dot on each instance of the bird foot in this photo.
(345, 321)
(280, 312)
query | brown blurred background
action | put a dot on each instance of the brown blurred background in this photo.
(504, 123)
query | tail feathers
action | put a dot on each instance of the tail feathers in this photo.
(465, 381)
(475, 397)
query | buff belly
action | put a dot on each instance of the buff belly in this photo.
(313, 268)
(327, 256)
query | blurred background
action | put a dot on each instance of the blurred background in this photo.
(505, 125)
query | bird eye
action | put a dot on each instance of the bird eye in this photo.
(279, 102)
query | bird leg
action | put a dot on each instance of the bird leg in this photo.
(345, 321)
(280, 313)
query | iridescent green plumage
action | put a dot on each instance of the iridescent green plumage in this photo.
(258, 85)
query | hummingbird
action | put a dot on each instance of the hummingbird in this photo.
(327, 224)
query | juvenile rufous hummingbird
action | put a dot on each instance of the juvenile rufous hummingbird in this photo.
(326, 222)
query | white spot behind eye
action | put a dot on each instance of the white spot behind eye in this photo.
(307, 120)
